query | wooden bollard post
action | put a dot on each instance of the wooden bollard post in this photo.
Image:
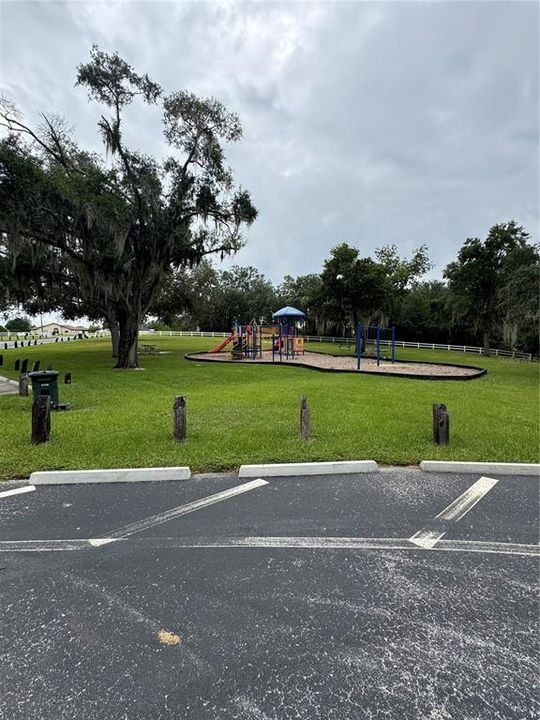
(179, 418)
(67, 378)
(23, 385)
(304, 419)
(441, 424)
(41, 419)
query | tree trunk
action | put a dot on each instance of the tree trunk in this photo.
(487, 349)
(112, 323)
(115, 338)
(128, 341)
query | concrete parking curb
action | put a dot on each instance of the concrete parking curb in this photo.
(71, 477)
(480, 467)
(309, 468)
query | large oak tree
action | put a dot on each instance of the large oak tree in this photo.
(112, 225)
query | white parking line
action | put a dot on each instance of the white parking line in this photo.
(465, 502)
(17, 491)
(140, 525)
(429, 536)
(274, 543)
(44, 545)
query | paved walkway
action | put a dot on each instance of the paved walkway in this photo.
(8, 387)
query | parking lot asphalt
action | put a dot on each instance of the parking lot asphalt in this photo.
(399, 594)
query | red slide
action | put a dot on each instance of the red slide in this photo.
(222, 345)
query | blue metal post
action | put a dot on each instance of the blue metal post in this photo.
(393, 343)
(378, 345)
(254, 339)
(280, 342)
(358, 344)
(287, 341)
(273, 348)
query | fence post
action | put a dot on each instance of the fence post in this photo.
(304, 419)
(41, 419)
(179, 418)
(441, 424)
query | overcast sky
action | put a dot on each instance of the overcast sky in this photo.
(370, 123)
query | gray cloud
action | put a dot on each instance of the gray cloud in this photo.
(369, 123)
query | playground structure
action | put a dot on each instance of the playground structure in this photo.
(282, 343)
(281, 339)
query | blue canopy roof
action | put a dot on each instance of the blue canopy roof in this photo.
(288, 312)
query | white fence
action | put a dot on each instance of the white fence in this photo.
(350, 341)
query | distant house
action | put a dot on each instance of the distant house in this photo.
(53, 328)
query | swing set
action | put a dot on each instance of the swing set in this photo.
(379, 335)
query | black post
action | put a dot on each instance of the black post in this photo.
(23, 385)
(24, 366)
(36, 365)
(179, 418)
(15, 344)
(67, 378)
(41, 419)
(1, 360)
(304, 419)
(441, 424)
(17, 365)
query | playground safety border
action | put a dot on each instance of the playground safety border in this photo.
(410, 376)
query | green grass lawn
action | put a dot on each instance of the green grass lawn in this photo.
(250, 414)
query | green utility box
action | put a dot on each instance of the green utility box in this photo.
(45, 383)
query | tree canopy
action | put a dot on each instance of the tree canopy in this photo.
(113, 226)
(495, 281)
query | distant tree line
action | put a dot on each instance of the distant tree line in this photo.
(488, 296)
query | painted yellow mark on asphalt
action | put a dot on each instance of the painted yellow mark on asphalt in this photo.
(168, 638)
